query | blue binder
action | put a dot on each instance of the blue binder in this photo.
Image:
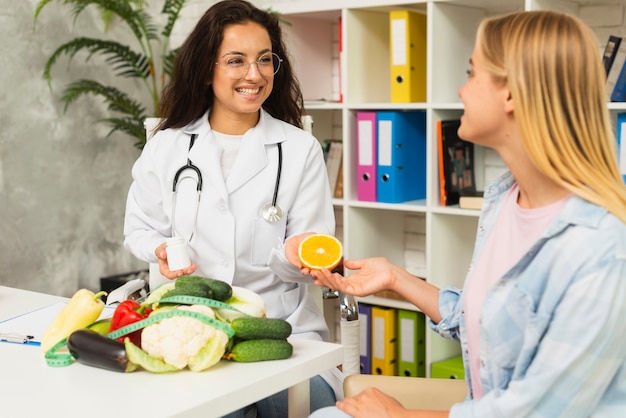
(401, 153)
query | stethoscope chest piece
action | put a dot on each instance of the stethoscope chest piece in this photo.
(271, 212)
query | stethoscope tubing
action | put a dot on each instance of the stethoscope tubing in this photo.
(278, 171)
(191, 166)
(188, 166)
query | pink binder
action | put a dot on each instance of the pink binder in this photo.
(366, 156)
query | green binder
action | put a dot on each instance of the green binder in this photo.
(448, 369)
(411, 343)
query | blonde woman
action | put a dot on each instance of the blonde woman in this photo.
(542, 315)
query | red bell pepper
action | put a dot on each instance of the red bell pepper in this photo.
(126, 313)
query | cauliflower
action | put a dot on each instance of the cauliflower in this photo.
(246, 302)
(183, 341)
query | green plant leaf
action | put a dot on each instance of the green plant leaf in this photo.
(172, 9)
(124, 61)
(133, 113)
(168, 62)
(130, 126)
(130, 11)
(117, 100)
(139, 62)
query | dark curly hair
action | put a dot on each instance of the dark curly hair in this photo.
(188, 94)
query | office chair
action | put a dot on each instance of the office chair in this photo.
(411, 392)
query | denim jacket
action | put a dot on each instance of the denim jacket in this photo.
(553, 328)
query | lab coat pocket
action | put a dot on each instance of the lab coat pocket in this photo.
(291, 299)
(265, 236)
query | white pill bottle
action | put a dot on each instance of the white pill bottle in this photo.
(177, 253)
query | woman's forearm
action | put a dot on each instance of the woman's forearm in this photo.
(417, 291)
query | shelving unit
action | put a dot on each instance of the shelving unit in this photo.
(373, 229)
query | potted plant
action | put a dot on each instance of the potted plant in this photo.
(151, 63)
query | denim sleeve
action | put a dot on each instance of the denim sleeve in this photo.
(451, 311)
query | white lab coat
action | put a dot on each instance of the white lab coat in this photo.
(232, 242)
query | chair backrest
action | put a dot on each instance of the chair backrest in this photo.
(411, 392)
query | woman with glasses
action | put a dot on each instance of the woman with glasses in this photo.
(231, 171)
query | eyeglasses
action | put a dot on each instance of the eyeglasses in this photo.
(235, 66)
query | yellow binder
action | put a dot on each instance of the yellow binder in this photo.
(408, 56)
(384, 341)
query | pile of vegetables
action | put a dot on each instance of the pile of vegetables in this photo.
(191, 323)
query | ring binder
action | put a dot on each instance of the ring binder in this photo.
(408, 56)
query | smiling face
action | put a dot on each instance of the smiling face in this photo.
(486, 105)
(239, 100)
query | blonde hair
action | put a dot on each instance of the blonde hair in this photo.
(552, 65)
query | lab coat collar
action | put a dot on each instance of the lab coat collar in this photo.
(199, 126)
(253, 152)
(273, 128)
(275, 131)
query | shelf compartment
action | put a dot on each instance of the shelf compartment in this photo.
(453, 28)
(398, 236)
(451, 242)
(367, 53)
(313, 41)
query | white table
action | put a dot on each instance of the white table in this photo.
(32, 388)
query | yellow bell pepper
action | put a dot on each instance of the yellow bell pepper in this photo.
(83, 309)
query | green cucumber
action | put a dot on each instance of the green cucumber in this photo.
(260, 350)
(251, 328)
(188, 289)
(216, 289)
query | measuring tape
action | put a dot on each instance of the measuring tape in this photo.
(55, 359)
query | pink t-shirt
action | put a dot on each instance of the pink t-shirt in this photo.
(514, 232)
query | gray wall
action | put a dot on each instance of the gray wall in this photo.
(63, 184)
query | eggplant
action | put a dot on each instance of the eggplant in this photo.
(93, 349)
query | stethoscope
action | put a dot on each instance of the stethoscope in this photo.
(271, 211)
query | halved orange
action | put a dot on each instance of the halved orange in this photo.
(320, 251)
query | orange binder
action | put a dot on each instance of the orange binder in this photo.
(408, 56)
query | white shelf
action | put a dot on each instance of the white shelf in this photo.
(392, 303)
